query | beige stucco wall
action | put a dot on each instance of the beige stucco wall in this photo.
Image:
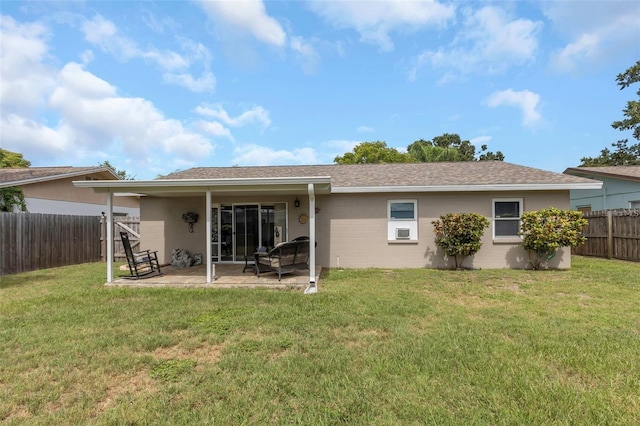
(356, 230)
(351, 229)
(162, 228)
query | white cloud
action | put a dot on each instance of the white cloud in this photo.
(365, 129)
(341, 145)
(596, 33)
(254, 115)
(87, 56)
(248, 16)
(374, 20)
(206, 82)
(98, 116)
(25, 79)
(480, 140)
(306, 54)
(214, 128)
(255, 155)
(526, 100)
(104, 34)
(33, 139)
(489, 41)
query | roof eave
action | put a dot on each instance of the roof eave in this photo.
(469, 188)
(578, 171)
(290, 184)
(58, 176)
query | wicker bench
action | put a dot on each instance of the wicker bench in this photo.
(284, 258)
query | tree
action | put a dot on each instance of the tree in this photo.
(460, 234)
(12, 196)
(489, 155)
(449, 147)
(623, 155)
(122, 174)
(12, 159)
(373, 153)
(545, 231)
(426, 152)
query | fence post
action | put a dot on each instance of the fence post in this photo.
(609, 234)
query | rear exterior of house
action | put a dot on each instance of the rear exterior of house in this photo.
(367, 215)
(352, 230)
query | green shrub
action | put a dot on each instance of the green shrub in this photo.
(545, 231)
(12, 196)
(459, 234)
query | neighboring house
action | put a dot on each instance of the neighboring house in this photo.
(370, 215)
(620, 188)
(51, 190)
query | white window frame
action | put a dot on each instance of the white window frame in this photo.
(415, 209)
(404, 223)
(520, 202)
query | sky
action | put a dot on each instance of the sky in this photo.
(159, 86)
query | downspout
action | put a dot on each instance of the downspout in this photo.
(208, 231)
(109, 237)
(311, 289)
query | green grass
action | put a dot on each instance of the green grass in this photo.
(372, 347)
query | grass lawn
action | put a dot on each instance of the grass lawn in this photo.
(372, 347)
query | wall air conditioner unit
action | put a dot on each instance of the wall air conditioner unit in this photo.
(402, 233)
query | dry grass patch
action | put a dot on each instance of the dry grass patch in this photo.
(124, 385)
(207, 354)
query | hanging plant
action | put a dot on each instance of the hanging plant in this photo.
(190, 218)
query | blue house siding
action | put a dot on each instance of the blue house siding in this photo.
(620, 188)
(615, 194)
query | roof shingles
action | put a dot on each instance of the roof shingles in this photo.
(26, 174)
(396, 174)
(620, 172)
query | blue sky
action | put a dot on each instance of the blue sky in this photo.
(157, 86)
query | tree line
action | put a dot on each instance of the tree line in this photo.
(447, 147)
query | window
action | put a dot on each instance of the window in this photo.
(634, 204)
(402, 224)
(506, 217)
(584, 209)
(402, 210)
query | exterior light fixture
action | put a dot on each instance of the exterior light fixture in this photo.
(296, 203)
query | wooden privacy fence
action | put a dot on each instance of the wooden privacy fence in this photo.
(33, 241)
(614, 234)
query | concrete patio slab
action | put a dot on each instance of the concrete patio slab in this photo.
(226, 276)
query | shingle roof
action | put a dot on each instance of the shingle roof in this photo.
(26, 175)
(397, 174)
(620, 172)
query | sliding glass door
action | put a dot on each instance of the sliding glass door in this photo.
(247, 236)
(245, 227)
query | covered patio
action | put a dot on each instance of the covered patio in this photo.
(162, 202)
(226, 276)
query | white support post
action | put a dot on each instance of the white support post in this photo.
(312, 242)
(109, 237)
(209, 262)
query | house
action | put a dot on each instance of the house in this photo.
(369, 215)
(620, 188)
(51, 190)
